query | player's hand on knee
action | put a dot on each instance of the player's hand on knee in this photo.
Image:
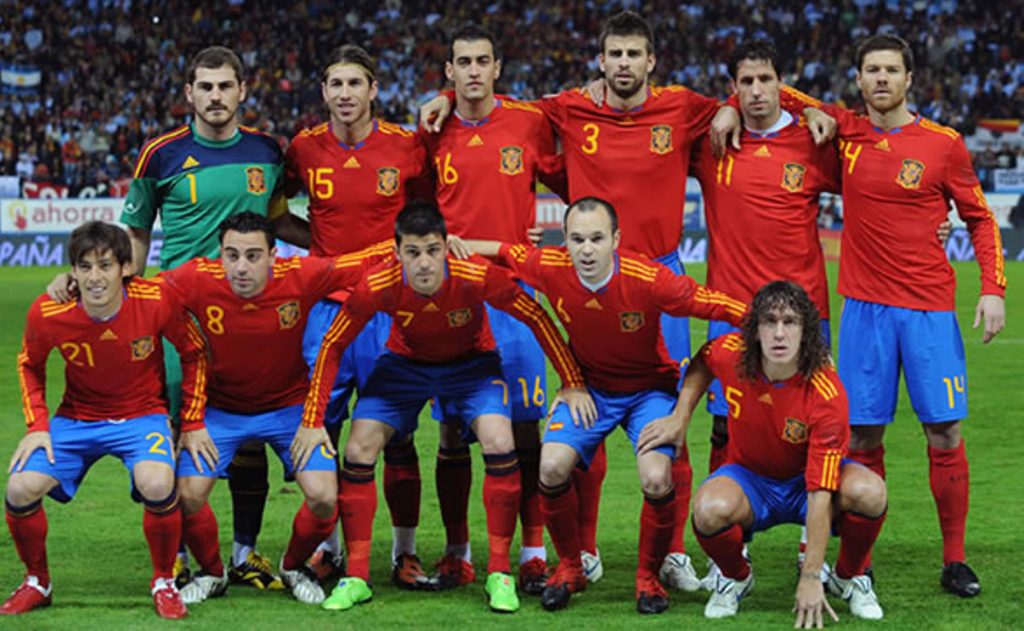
(62, 288)
(823, 127)
(992, 311)
(306, 440)
(596, 90)
(201, 447)
(434, 112)
(582, 408)
(811, 603)
(667, 430)
(27, 446)
(725, 131)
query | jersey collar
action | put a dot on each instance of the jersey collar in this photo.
(215, 144)
(361, 143)
(896, 130)
(483, 121)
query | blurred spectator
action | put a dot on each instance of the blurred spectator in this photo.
(113, 70)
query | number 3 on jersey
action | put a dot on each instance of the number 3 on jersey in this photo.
(589, 145)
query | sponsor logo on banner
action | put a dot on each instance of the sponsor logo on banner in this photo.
(55, 215)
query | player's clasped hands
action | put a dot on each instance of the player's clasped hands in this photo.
(667, 430)
(810, 601)
(306, 441)
(27, 446)
(581, 406)
(199, 445)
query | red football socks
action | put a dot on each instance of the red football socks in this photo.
(560, 506)
(873, 459)
(357, 499)
(657, 521)
(682, 477)
(28, 528)
(502, 492)
(725, 548)
(162, 526)
(453, 478)
(201, 535)
(402, 484)
(857, 535)
(588, 489)
(949, 476)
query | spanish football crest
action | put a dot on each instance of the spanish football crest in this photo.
(511, 160)
(661, 139)
(459, 317)
(256, 181)
(911, 173)
(288, 314)
(631, 321)
(793, 177)
(387, 181)
(795, 431)
(142, 348)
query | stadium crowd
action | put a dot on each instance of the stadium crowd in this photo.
(112, 71)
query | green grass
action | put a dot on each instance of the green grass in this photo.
(100, 565)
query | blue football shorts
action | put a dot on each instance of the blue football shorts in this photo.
(78, 444)
(230, 430)
(876, 341)
(631, 411)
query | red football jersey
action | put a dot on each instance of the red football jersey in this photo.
(761, 205)
(782, 429)
(637, 160)
(615, 332)
(256, 343)
(449, 326)
(113, 369)
(897, 186)
(486, 171)
(354, 192)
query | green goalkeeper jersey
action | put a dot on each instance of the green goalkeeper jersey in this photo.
(194, 184)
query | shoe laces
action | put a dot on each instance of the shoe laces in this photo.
(259, 562)
(651, 586)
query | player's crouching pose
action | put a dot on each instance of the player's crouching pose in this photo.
(611, 303)
(440, 346)
(788, 435)
(252, 307)
(113, 404)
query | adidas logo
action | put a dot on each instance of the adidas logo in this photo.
(766, 398)
(189, 163)
(352, 163)
(108, 336)
(763, 152)
(431, 308)
(593, 304)
(475, 141)
(883, 145)
(250, 307)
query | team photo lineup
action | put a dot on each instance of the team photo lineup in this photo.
(431, 296)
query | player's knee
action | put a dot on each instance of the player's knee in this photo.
(554, 471)
(496, 438)
(24, 489)
(192, 492)
(656, 482)
(865, 437)
(865, 494)
(154, 485)
(943, 435)
(711, 511)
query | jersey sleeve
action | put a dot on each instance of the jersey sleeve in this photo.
(183, 332)
(829, 425)
(550, 163)
(293, 183)
(683, 296)
(353, 316)
(141, 204)
(345, 271)
(718, 353)
(794, 101)
(181, 283)
(963, 187)
(700, 111)
(524, 261)
(35, 348)
(502, 292)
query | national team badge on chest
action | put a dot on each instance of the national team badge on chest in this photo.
(793, 177)
(631, 321)
(661, 139)
(459, 317)
(255, 180)
(511, 160)
(387, 181)
(911, 174)
(795, 431)
(142, 348)
(288, 315)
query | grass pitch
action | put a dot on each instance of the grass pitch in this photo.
(100, 565)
